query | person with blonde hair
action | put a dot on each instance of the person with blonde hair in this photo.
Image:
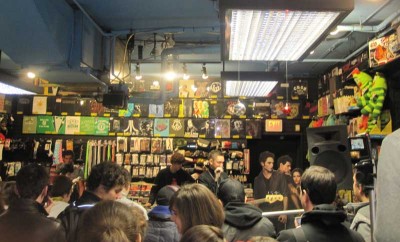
(112, 221)
(195, 204)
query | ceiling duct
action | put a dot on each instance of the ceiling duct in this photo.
(44, 31)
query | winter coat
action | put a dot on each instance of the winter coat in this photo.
(160, 227)
(323, 223)
(243, 221)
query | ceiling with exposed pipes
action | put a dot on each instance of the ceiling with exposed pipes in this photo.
(77, 43)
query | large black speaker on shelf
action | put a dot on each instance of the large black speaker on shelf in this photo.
(328, 147)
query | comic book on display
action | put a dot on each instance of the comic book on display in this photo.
(201, 89)
(222, 128)
(177, 127)
(185, 88)
(200, 109)
(146, 127)
(161, 127)
(217, 108)
(298, 89)
(141, 110)
(156, 110)
(206, 128)
(253, 128)
(238, 128)
(191, 131)
(171, 108)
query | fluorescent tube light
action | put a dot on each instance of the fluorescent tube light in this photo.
(249, 88)
(277, 30)
(7, 89)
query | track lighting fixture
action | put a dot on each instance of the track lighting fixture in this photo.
(138, 74)
(204, 71)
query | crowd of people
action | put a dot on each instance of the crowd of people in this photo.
(182, 207)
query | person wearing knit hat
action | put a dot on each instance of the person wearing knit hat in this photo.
(160, 225)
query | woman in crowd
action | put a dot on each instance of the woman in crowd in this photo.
(194, 204)
(296, 175)
(112, 221)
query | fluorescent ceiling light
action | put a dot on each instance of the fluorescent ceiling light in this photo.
(249, 88)
(7, 89)
(284, 30)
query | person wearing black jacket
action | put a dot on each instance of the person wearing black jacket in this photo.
(26, 218)
(242, 220)
(172, 175)
(213, 176)
(321, 220)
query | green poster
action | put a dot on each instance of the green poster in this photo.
(101, 126)
(59, 123)
(87, 126)
(29, 125)
(45, 125)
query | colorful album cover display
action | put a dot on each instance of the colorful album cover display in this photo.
(130, 126)
(177, 127)
(146, 127)
(217, 108)
(206, 128)
(238, 128)
(215, 89)
(171, 108)
(200, 109)
(186, 88)
(190, 129)
(277, 109)
(298, 89)
(141, 110)
(253, 129)
(161, 127)
(201, 88)
(222, 128)
(156, 110)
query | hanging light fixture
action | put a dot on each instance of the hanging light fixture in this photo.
(287, 109)
(204, 72)
(277, 30)
(186, 76)
(170, 74)
(138, 74)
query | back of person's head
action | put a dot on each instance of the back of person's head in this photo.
(363, 174)
(231, 190)
(9, 192)
(284, 158)
(195, 204)
(320, 185)
(214, 154)
(177, 158)
(165, 194)
(31, 180)
(66, 168)
(62, 185)
(200, 233)
(107, 174)
(112, 221)
(265, 155)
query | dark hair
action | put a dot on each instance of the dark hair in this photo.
(107, 174)
(200, 233)
(285, 158)
(31, 180)
(66, 168)
(9, 191)
(231, 190)
(62, 185)
(299, 170)
(177, 158)
(265, 155)
(112, 221)
(196, 205)
(2, 202)
(68, 152)
(127, 177)
(262, 239)
(320, 185)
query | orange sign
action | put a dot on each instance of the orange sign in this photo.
(273, 125)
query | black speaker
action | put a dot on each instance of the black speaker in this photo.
(116, 100)
(328, 147)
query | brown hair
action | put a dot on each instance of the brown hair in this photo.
(112, 221)
(177, 158)
(200, 233)
(265, 155)
(195, 205)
